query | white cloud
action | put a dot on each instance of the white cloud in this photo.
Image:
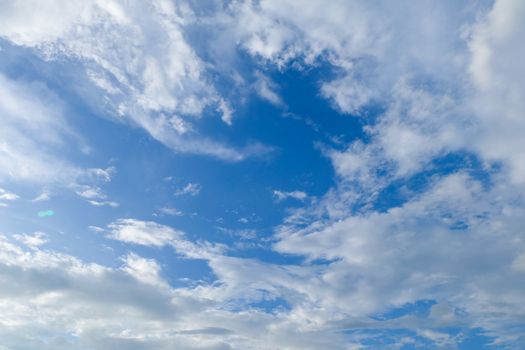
(152, 234)
(226, 112)
(84, 306)
(429, 248)
(91, 192)
(17, 14)
(171, 211)
(282, 195)
(34, 134)
(267, 90)
(139, 63)
(32, 240)
(143, 232)
(33, 130)
(458, 242)
(98, 203)
(99, 174)
(6, 195)
(96, 229)
(499, 80)
(45, 195)
(191, 189)
(144, 270)
(348, 94)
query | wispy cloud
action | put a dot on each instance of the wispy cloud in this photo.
(191, 189)
(282, 195)
(45, 195)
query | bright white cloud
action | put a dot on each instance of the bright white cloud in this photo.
(152, 234)
(45, 195)
(143, 232)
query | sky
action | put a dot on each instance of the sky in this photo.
(266, 174)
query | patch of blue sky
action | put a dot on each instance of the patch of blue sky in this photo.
(406, 339)
(272, 305)
(420, 308)
(402, 190)
(476, 339)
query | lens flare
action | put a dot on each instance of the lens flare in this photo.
(45, 213)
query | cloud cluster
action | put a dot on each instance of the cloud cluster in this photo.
(448, 80)
(136, 59)
(86, 305)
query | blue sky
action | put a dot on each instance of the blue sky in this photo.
(262, 174)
